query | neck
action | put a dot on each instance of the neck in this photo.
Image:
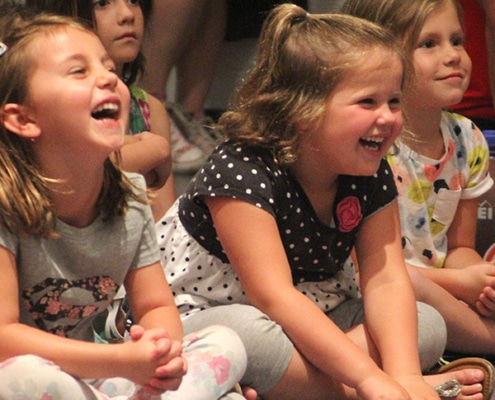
(320, 190)
(422, 131)
(75, 196)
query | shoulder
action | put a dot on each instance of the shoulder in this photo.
(138, 92)
(461, 129)
(245, 173)
(234, 157)
(138, 183)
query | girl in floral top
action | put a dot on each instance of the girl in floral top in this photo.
(441, 169)
(261, 239)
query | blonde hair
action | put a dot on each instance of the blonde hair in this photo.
(25, 194)
(404, 19)
(301, 59)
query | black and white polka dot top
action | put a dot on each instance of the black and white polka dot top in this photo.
(315, 251)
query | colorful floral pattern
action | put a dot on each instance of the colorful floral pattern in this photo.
(430, 190)
(216, 362)
(48, 303)
(140, 111)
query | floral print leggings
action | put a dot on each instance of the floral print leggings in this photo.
(216, 362)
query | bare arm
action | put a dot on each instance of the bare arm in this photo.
(137, 360)
(149, 153)
(256, 252)
(465, 274)
(157, 308)
(160, 123)
(385, 281)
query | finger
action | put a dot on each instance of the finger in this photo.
(489, 292)
(163, 385)
(483, 310)
(156, 334)
(487, 300)
(167, 350)
(176, 367)
(136, 332)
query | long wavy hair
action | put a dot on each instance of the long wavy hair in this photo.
(25, 194)
(301, 59)
(84, 11)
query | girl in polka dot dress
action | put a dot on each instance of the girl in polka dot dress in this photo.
(261, 239)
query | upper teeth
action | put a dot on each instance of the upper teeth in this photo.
(107, 107)
(376, 140)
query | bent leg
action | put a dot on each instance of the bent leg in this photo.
(32, 377)
(468, 332)
(268, 349)
(216, 361)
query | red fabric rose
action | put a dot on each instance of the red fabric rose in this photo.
(349, 214)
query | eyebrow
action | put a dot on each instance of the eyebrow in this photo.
(81, 57)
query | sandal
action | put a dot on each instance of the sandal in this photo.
(452, 388)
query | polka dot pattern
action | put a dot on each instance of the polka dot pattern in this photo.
(316, 252)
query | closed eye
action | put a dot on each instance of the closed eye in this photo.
(78, 71)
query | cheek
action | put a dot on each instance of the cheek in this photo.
(399, 123)
(467, 64)
(125, 98)
(104, 36)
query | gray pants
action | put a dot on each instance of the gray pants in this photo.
(269, 350)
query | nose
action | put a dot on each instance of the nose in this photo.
(107, 79)
(452, 54)
(386, 115)
(124, 12)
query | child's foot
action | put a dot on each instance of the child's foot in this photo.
(476, 376)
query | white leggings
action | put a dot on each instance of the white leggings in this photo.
(216, 362)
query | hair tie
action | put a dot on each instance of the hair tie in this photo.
(3, 49)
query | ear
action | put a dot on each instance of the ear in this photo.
(16, 119)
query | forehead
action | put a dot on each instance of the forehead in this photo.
(377, 59)
(61, 39)
(447, 7)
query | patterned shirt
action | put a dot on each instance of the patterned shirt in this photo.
(430, 190)
(315, 251)
(64, 283)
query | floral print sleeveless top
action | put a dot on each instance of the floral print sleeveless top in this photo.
(140, 111)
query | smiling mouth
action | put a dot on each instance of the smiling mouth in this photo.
(373, 144)
(451, 76)
(107, 111)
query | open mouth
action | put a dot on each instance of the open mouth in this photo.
(373, 144)
(107, 111)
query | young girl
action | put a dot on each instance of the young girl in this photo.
(120, 25)
(74, 228)
(441, 169)
(261, 239)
